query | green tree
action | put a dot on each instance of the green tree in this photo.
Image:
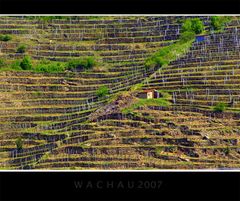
(197, 25)
(193, 25)
(187, 25)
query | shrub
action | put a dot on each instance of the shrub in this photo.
(218, 22)
(21, 49)
(19, 143)
(26, 63)
(5, 38)
(81, 64)
(197, 25)
(102, 91)
(187, 25)
(220, 107)
(2, 63)
(193, 25)
(50, 67)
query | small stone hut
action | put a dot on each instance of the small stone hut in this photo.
(148, 94)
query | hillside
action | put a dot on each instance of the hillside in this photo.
(69, 93)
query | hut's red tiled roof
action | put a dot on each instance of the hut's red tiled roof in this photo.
(148, 90)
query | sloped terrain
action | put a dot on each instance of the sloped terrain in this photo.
(61, 121)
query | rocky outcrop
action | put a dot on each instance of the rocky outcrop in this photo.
(123, 100)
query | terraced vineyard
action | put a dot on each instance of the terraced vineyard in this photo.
(60, 120)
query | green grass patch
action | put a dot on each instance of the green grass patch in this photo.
(26, 63)
(169, 53)
(165, 95)
(50, 67)
(136, 87)
(146, 102)
(37, 93)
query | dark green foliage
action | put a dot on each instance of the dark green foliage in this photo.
(81, 64)
(19, 143)
(197, 25)
(26, 63)
(193, 25)
(220, 107)
(21, 49)
(5, 38)
(102, 91)
(187, 25)
(218, 22)
(2, 63)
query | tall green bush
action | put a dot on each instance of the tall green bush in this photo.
(220, 107)
(197, 25)
(82, 63)
(26, 63)
(51, 67)
(218, 22)
(5, 38)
